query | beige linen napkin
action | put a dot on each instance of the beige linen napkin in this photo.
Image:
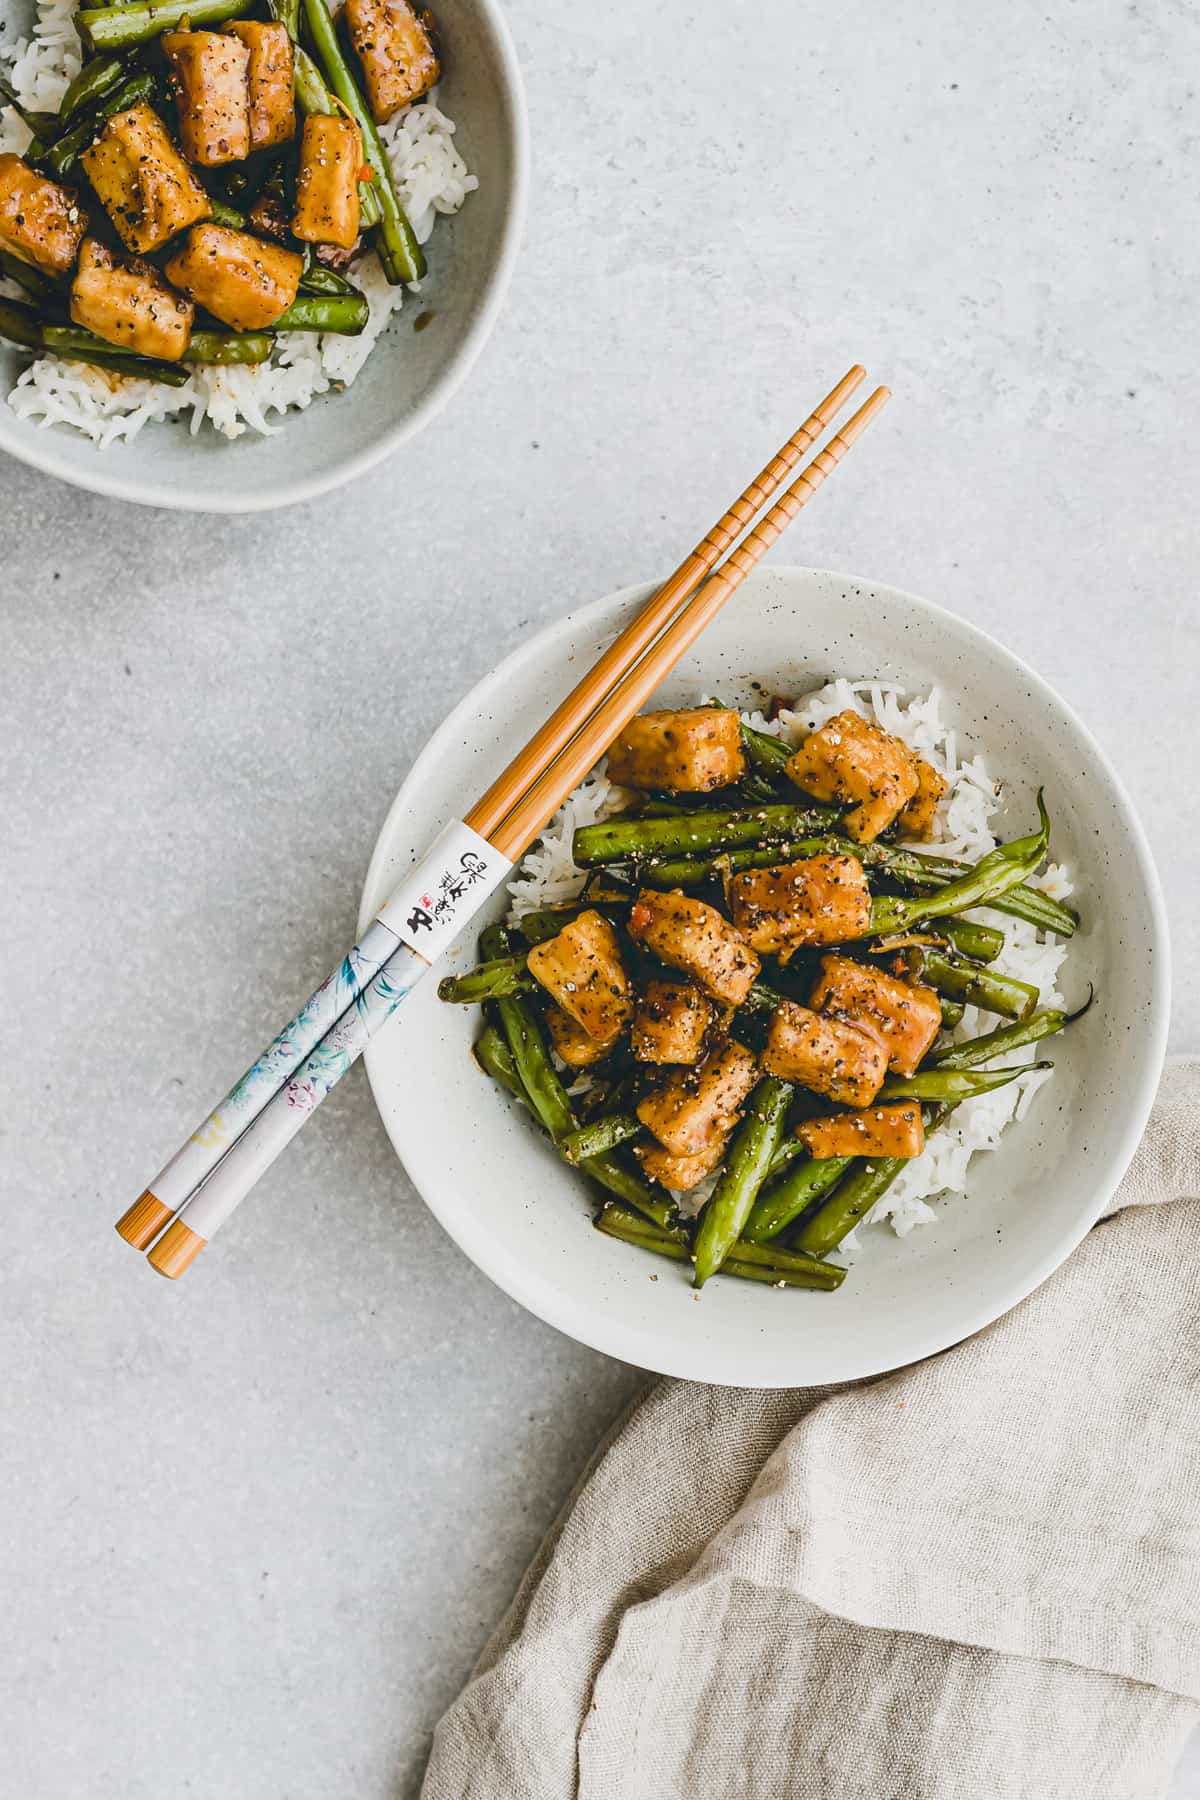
(978, 1577)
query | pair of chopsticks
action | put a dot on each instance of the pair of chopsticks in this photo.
(209, 1176)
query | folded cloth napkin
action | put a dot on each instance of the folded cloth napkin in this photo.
(978, 1577)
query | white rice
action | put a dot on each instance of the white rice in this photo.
(962, 828)
(431, 179)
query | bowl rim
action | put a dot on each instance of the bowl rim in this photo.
(632, 1343)
(39, 450)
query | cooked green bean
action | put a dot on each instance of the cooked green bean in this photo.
(398, 249)
(785, 1199)
(223, 214)
(951, 1084)
(223, 347)
(766, 753)
(41, 124)
(805, 1272)
(120, 27)
(754, 1144)
(94, 82)
(64, 152)
(641, 840)
(599, 1136)
(952, 1012)
(317, 279)
(488, 981)
(344, 314)
(20, 325)
(1002, 994)
(982, 943)
(994, 874)
(37, 285)
(999, 1042)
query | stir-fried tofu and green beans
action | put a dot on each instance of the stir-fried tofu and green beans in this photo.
(759, 979)
(207, 180)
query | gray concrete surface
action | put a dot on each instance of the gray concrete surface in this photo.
(256, 1527)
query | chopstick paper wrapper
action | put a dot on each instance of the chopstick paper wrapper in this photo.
(424, 913)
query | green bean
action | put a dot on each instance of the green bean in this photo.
(119, 27)
(488, 981)
(952, 1012)
(982, 943)
(39, 286)
(221, 213)
(641, 840)
(398, 249)
(754, 1144)
(850, 1202)
(39, 123)
(20, 325)
(785, 1155)
(346, 315)
(999, 1042)
(494, 1057)
(225, 347)
(317, 279)
(631, 1188)
(94, 82)
(999, 870)
(785, 1199)
(65, 152)
(83, 346)
(768, 754)
(599, 1136)
(951, 1084)
(1002, 994)
(804, 1272)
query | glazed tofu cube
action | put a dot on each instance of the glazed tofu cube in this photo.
(680, 752)
(270, 81)
(582, 970)
(129, 304)
(212, 89)
(856, 764)
(694, 1106)
(877, 1131)
(694, 938)
(331, 156)
(241, 280)
(40, 221)
(827, 1055)
(820, 900)
(669, 1023)
(395, 49)
(904, 1016)
(146, 188)
(577, 1048)
(679, 1172)
(917, 818)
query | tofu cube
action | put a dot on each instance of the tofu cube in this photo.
(327, 204)
(679, 752)
(212, 91)
(240, 279)
(904, 1016)
(694, 1106)
(670, 1022)
(820, 900)
(394, 46)
(577, 1048)
(270, 81)
(582, 970)
(41, 221)
(129, 304)
(897, 1130)
(679, 1172)
(828, 1056)
(696, 939)
(144, 184)
(854, 763)
(918, 816)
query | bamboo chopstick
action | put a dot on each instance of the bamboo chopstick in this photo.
(199, 1155)
(464, 859)
(564, 721)
(547, 793)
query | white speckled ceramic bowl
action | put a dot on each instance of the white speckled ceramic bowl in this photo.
(408, 376)
(525, 1219)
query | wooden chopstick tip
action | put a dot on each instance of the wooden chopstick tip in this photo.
(870, 409)
(143, 1221)
(176, 1250)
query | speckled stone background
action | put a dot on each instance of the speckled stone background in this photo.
(256, 1527)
